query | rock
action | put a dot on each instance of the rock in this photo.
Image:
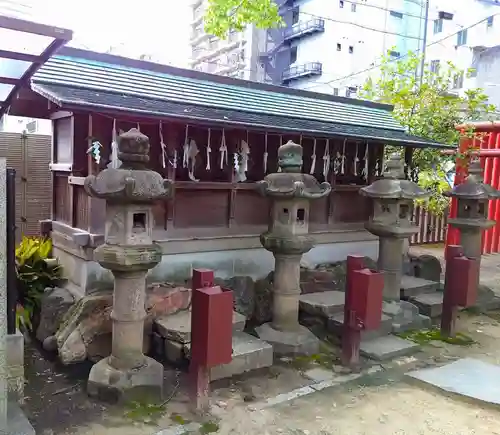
(323, 304)
(50, 343)
(243, 288)
(86, 329)
(425, 266)
(263, 300)
(55, 303)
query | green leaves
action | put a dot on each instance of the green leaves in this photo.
(224, 16)
(430, 110)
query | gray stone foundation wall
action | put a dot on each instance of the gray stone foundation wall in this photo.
(15, 367)
(227, 256)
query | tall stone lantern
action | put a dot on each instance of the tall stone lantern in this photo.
(391, 221)
(472, 209)
(288, 239)
(129, 252)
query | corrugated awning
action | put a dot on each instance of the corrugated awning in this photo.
(24, 47)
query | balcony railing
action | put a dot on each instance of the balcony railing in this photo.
(307, 69)
(303, 28)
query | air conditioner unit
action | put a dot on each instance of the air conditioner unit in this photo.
(32, 127)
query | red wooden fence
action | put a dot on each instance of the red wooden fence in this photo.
(486, 139)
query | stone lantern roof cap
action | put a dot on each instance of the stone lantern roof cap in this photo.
(474, 188)
(393, 185)
(291, 182)
(132, 182)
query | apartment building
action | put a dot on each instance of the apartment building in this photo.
(236, 56)
(467, 33)
(328, 43)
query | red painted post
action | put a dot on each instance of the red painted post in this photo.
(460, 287)
(211, 333)
(488, 174)
(495, 202)
(362, 309)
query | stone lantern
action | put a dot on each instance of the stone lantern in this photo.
(472, 209)
(391, 221)
(288, 239)
(129, 252)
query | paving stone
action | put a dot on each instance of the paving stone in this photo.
(301, 341)
(335, 324)
(319, 374)
(412, 286)
(467, 377)
(323, 303)
(249, 353)
(429, 304)
(384, 348)
(177, 327)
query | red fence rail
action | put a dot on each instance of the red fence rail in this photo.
(432, 228)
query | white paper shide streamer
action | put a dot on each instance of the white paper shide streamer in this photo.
(265, 156)
(313, 159)
(356, 161)
(342, 159)
(326, 160)
(114, 163)
(192, 153)
(241, 161)
(366, 168)
(185, 149)
(164, 156)
(209, 150)
(223, 151)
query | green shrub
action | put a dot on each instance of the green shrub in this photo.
(35, 272)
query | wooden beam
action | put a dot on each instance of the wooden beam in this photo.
(5, 54)
(8, 81)
(60, 114)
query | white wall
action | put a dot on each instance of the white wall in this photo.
(16, 124)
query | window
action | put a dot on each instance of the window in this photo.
(293, 55)
(351, 49)
(353, 7)
(335, 92)
(462, 37)
(339, 47)
(341, 3)
(435, 66)
(295, 16)
(393, 53)
(458, 80)
(489, 22)
(396, 14)
(438, 26)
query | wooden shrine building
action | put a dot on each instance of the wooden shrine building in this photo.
(215, 137)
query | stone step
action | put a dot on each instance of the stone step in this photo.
(405, 316)
(388, 347)
(249, 353)
(429, 304)
(412, 286)
(177, 327)
(335, 324)
(323, 304)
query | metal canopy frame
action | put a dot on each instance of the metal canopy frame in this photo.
(24, 47)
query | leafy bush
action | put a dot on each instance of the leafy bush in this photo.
(35, 272)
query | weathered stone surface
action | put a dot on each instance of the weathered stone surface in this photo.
(243, 288)
(263, 305)
(15, 366)
(323, 304)
(429, 304)
(335, 324)
(384, 348)
(412, 286)
(249, 353)
(174, 351)
(177, 327)
(17, 423)
(55, 304)
(86, 329)
(405, 316)
(426, 267)
(298, 342)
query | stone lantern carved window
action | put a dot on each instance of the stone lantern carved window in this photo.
(481, 209)
(285, 216)
(301, 215)
(464, 211)
(404, 211)
(385, 208)
(139, 222)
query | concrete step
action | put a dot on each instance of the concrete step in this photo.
(335, 324)
(249, 353)
(412, 286)
(388, 347)
(323, 304)
(429, 304)
(405, 316)
(177, 327)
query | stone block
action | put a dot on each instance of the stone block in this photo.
(17, 423)
(384, 348)
(405, 316)
(299, 342)
(15, 366)
(430, 304)
(249, 353)
(335, 324)
(55, 303)
(323, 304)
(412, 286)
(158, 345)
(177, 327)
(174, 351)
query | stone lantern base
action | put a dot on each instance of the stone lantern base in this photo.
(122, 385)
(299, 341)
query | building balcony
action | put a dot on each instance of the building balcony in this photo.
(304, 28)
(299, 71)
